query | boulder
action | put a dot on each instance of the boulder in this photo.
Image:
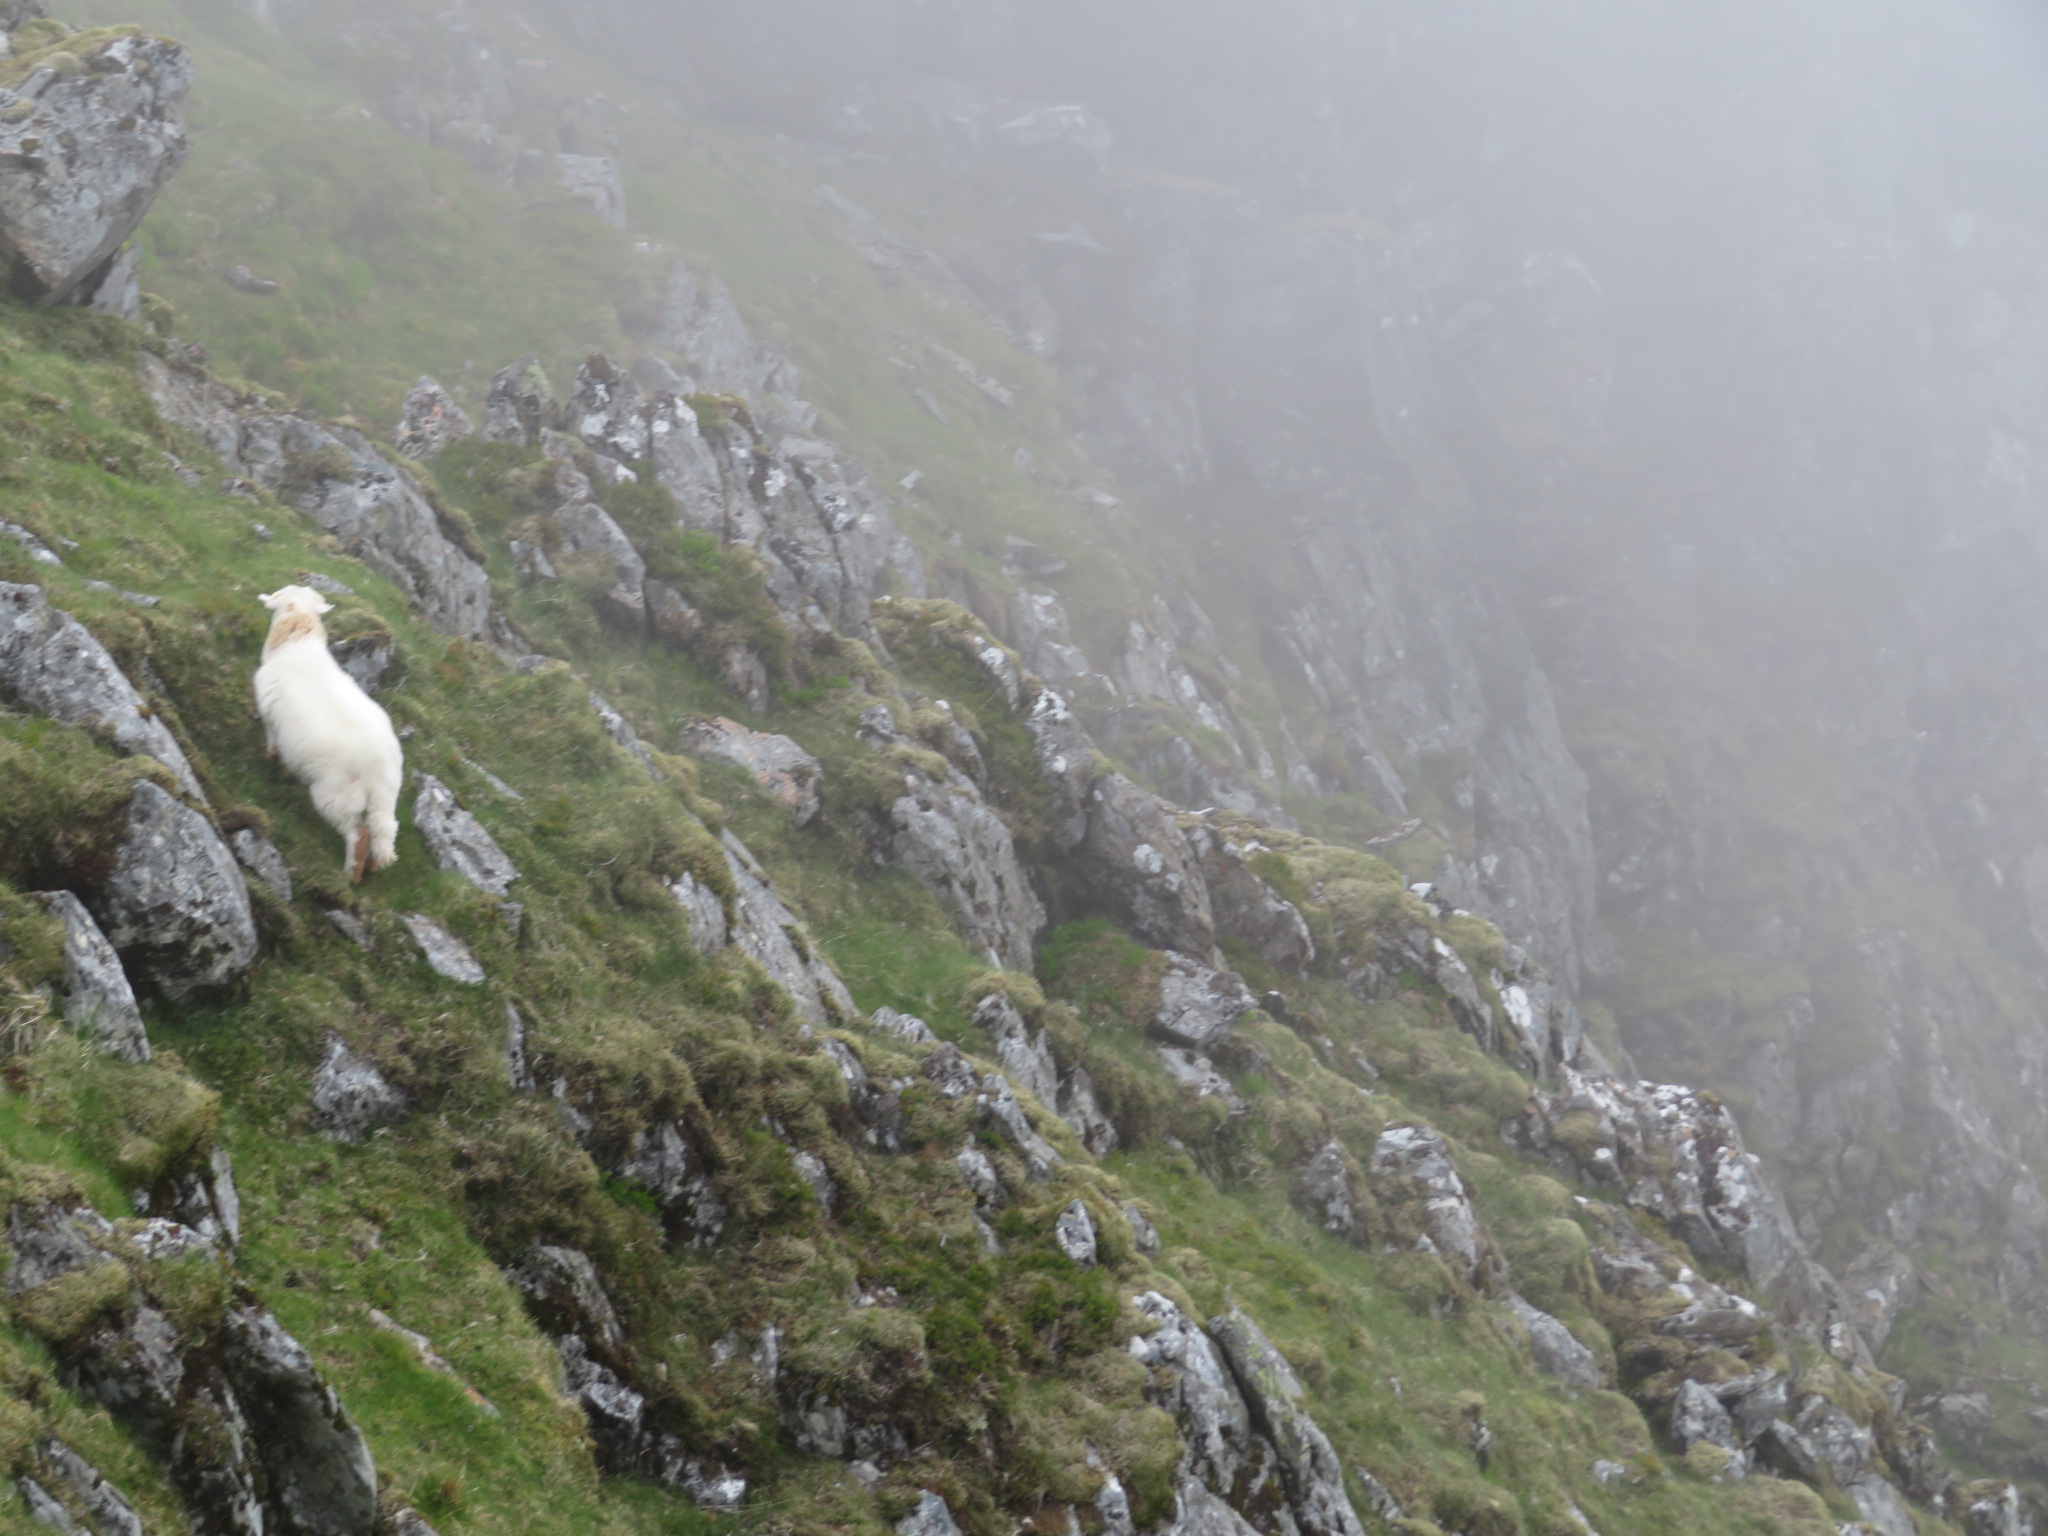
(1223, 1455)
(949, 1071)
(1697, 1417)
(259, 856)
(980, 1176)
(319, 1472)
(957, 846)
(351, 1099)
(1136, 861)
(1247, 908)
(1324, 1187)
(175, 903)
(445, 954)
(563, 1292)
(1193, 1070)
(930, 1518)
(620, 729)
(878, 1108)
(770, 935)
(1000, 1107)
(429, 421)
(1142, 1231)
(88, 139)
(1199, 1004)
(704, 910)
(50, 664)
(1310, 1472)
(1077, 1104)
(97, 998)
(1026, 1057)
(1074, 1231)
(106, 1511)
(776, 763)
(458, 840)
(1416, 1153)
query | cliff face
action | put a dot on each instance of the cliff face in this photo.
(892, 1012)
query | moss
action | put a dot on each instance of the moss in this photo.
(61, 1310)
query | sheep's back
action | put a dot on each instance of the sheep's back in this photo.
(320, 719)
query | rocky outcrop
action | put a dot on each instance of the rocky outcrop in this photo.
(97, 998)
(336, 477)
(174, 902)
(351, 1098)
(1556, 1352)
(429, 421)
(769, 935)
(89, 136)
(458, 841)
(954, 842)
(1198, 1004)
(1415, 1161)
(776, 763)
(50, 664)
(231, 1405)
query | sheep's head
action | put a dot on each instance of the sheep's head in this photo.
(297, 611)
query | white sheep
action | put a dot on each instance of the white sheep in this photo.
(332, 736)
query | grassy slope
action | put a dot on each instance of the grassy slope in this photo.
(394, 261)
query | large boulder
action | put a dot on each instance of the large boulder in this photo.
(776, 763)
(89, 137)
(318, 1468)
(175, 903)
(50, 664)
(955, 843)
(97, 998)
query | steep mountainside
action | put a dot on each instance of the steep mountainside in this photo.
(962, 657)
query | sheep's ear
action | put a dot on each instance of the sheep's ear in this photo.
(268, 600)
(325, 606)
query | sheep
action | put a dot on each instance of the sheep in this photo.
(330, 734)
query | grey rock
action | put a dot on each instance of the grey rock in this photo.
(879, 1109)
(350, 1097)
(458, 841)
(242, 280)
(1380, 1499)
(1997, 1511)
(1199, 1512)
(951, 1072)
(1964, 1417)
(1247, 908)
(175, 903)
(50, 664)
(1193, 1070)
(259, 856)
(1222, 1452)
(661, 1160)
(811, 1169)
(1882, 1507)
(83, 155)
(704, 910)
(605, 409)
(520, 405)
(1021, 557)
(1138, 863)
(980, 1175)
(1419, 1154)
(1324, 1186)
(562, 1290)
(1310, 1471)
(1077, 1105)
(108, 1513)
(1845, 1450)
(366, 658)
(410, 1522)
(1074, 1231)
(116, 289)
(38, 551)
(1880, 1284)
(429, 421)
(583, 527)
(620, 729)
(1198, 1004)
(904, 1026)
(1755, 1410)
(947, 836)
(445, 954)
(593, 180)
(97, 998)
(617, 1413)
(1142, 1231)
(45, 1510)
(319, 1468)
(776, 763)
(999, 1104)
(770, 935)
(352, 928)
(672, 616)
(930, 1518)
(1717, 1317)
(1024, 1056)
(1697, 1416)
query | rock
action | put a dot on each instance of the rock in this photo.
(429, 421)
(930, 1518)
(352, 928)
(1023, 558)
(1996, 1510)
(1198, 1005)
(1844, 1449)
(879, 1110)
(410, 1522)
(705, 912)
(458, 841)
(770, 935)
(811, 1169)
(1380, 1499)
(616, 1412)
(701, 322)
(97, 998)
(1062, 130)
(777, 764)
(1075, 1233)
(1697, 1417)
(38, 551)
(242, 280)
(174, 903)
(1137, 862)
(1964, 1417)
(83, 154)
(1716, 1318)
(947, 836)
(565, 1295)
(45, 1510)
(259, 856)
(445, 954)
(620, 729)
(520, 405)
(107, 1511)
(319, 1469)
(999, 1104)
(1077, 1105)
(351, 1099)
(1192, 1070)
(980, 1175)
(593, 180)
(583, 527)
(1418, 1153)
(1247, 908)
(1044, 638)
(1882, 1507)
(951, 1072)
(1142, 1231)
(1025, 1057)
(1310, 1471)
(905, 1027)
(662, 1162)
(1324, 1186)
(50, 664)
(671, 616)
(1222, 1450)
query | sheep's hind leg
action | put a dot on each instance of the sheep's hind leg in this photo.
(359, 856)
